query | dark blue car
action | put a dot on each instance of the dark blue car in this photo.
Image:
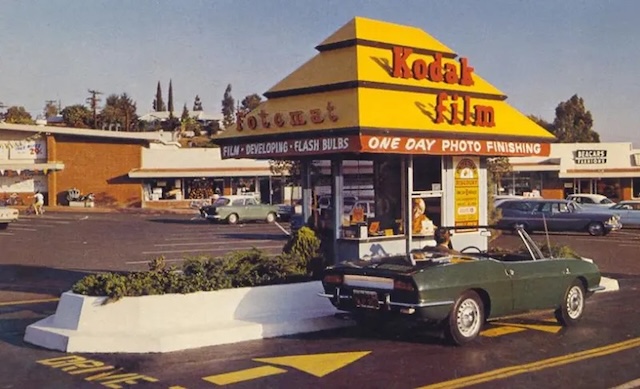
(558, 215)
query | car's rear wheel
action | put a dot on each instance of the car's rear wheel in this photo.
(572, 308)
(595, 229)
(466, 319)
(232, 219)
(271, 217)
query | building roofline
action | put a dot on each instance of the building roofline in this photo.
(148, 136)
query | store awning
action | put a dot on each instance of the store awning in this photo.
(601, 173)
(24, 166)
(199, 172)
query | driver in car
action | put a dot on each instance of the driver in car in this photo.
(442, 237)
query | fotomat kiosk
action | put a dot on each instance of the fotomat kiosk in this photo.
(415, 119)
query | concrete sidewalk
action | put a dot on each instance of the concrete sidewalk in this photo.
(149, 211)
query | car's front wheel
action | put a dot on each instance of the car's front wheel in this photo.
(572, 308)
(595, 229)
(271, 217)
(466, 319)
(232, 219)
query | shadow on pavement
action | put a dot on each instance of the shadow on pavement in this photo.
(38, 279)
(249, 236)
(183, 220)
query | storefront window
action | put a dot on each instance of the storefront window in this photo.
(609, 187)
(201, 188)
(521, 183)
(164, 189)
(635, 187)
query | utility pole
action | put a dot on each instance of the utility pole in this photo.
(93, 101)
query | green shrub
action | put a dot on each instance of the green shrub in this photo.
(238, 269)
(304, 250)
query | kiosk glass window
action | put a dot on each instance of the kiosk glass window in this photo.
(427, 173)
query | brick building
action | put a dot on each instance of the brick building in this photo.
(121, 169)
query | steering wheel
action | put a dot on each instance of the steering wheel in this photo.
(471, 248)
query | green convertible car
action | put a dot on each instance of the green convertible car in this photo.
(462, 291)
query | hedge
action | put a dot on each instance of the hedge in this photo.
(299, 262)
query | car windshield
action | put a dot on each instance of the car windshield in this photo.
(221, 202)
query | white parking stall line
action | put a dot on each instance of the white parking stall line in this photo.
(23, 229)
(6, 234)
(171, 260)
(208, 243)
(208, 250)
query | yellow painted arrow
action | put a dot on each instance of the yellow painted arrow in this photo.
(318, 365)
(243, 375)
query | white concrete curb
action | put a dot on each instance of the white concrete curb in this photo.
(609, 284)
(174, 322)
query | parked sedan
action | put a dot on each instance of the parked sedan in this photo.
(591, 200)
(556, 215)
(234, 208)
(628, 210)
(460, 292)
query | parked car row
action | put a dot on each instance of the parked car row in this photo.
(556, 215)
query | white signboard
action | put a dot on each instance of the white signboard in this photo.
(26, 150)
(23, 184)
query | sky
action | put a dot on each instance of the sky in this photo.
(538, 52)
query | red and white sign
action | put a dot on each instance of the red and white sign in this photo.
(444, 146)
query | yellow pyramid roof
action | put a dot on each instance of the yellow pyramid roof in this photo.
(373, 76)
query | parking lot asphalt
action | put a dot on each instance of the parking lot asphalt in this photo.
(40, 257)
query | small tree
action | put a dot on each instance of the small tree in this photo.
(197, 104)
(158, 102)
(77, 116)
(18, 115)
(250, 102)
(497, 168)
(573, 122)
(170, 101)
(228, 108)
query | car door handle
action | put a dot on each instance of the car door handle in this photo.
(566, 271)
(509, 272)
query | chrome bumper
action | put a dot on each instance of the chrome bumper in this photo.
(387, 301)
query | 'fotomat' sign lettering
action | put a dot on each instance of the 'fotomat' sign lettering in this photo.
(454, 107)
(264, 120)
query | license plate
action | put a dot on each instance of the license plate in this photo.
(366, 299)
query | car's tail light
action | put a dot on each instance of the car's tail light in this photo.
(403, 285)
(335, 279)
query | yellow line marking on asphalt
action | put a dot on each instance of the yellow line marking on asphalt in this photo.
(22, 302)
(553, 329)
(502, 330)
(243, 375)
(629, 385)
(318, 365)
(511, 371)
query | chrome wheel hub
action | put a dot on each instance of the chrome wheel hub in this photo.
(468, 318)
(575, 302)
